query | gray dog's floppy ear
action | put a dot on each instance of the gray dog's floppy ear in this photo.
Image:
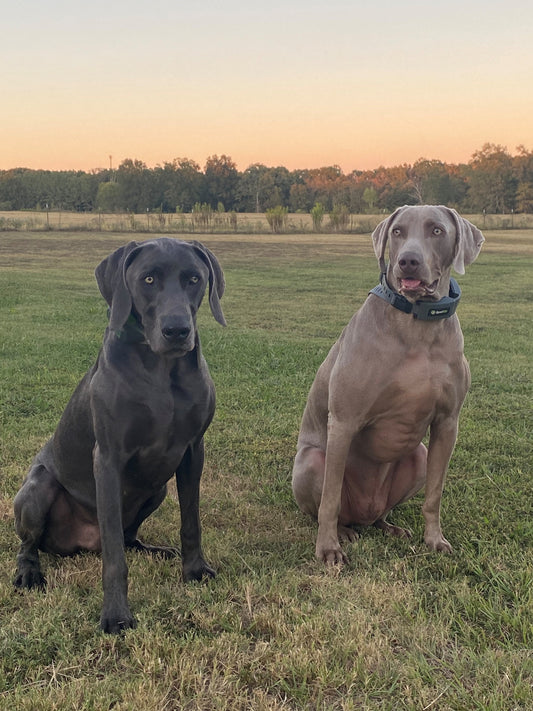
(380, 237)
(217, 283)
(468, 241)
(111, 279)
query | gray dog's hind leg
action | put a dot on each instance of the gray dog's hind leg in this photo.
(130, 534)
(188, 481)
(31, 506)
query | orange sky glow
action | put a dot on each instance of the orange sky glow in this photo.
(294, 83)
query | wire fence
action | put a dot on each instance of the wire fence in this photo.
(220, 222)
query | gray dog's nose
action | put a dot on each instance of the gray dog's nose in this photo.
(409, 260)
(176, 333)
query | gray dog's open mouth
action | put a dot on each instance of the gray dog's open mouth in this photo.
(417, 287)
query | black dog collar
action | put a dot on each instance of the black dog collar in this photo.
(131, 332)
(423, 310)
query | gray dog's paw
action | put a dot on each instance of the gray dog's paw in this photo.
(346, 534)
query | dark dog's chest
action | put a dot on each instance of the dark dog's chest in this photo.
(151, 415)
(164, 425)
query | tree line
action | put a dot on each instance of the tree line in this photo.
(493, 181)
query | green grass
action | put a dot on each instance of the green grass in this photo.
(399, 628)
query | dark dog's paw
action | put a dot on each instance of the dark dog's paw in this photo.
(115, 623)
(197, 570)
(163, 551)
(29, 577)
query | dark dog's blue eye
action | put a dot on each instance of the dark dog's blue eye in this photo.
(194, 279)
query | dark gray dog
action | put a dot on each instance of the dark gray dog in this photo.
(137, 417)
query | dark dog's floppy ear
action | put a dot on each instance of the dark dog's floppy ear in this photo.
(111, 279)
(217, 282)
(380, 237)
(468, 241)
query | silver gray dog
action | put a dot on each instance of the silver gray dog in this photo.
(137, 418)
(397, 371)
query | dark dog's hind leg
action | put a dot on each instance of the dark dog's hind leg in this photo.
(130, 534)
(31, 506)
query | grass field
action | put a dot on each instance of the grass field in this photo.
(398, 628)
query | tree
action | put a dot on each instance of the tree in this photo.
(524, 197)
(108, 197)
(249, 195)
(182, 185)
(493, 180)
(492, 184)
(370, 197)
(301, 195)
(324, 184)
(523, 170)
(132, 177)
(276, 187)
(431, 182)
(221, 179)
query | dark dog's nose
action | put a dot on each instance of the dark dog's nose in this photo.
(176, 334)
(409, 261)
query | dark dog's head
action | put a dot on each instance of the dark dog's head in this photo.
(162, 283)
(425, 241)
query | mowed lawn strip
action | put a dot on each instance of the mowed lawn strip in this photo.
(399, 627)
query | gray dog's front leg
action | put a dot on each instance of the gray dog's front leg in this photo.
(441, 443)
(116, 615)
(188, 482)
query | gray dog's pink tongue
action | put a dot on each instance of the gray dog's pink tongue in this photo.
(411, 283)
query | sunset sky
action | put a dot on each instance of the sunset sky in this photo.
(299, 83)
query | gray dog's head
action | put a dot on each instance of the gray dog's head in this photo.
(161, 283)
(425, 241)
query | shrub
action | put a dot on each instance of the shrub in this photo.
(277, 217)
(201, 215)
(339, 217)
(317, 213)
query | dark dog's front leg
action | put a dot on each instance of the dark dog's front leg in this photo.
(116, 615)
(188, 481)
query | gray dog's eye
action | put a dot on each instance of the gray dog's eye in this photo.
(149, 279)
(396, 232)
(437, 231)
